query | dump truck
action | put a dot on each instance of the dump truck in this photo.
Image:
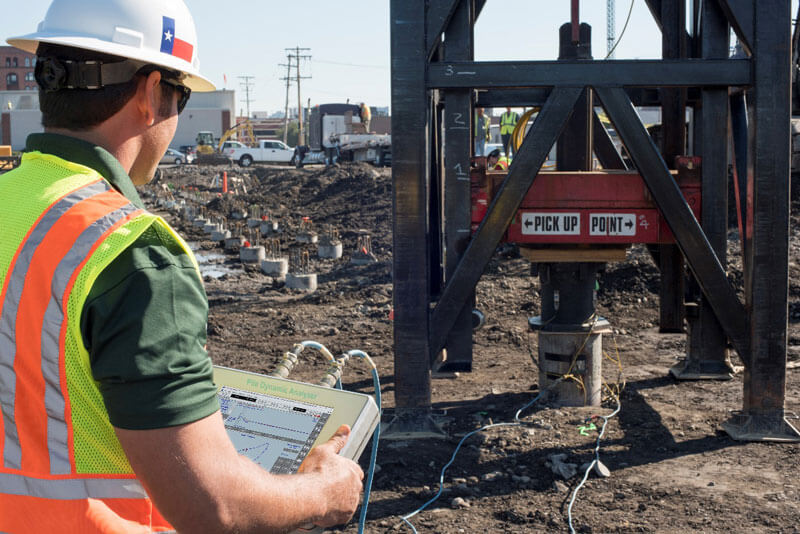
(337, 134)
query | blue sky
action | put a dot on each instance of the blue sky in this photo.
(349, 41)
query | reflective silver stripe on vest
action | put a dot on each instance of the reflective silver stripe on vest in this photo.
(12, 455)
(72, 488)
(57, 434)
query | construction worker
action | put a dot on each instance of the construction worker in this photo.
(496, 162)
(482, 134)
(508, 121)
(110, 419)
(366, 116)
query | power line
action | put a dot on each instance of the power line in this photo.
(288, 80)
(247, 82)
(294, 53)
(359, 65)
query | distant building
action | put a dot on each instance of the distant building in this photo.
(16, 70)
(211, 111)
(264, 127)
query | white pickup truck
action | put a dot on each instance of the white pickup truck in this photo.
(267, 151)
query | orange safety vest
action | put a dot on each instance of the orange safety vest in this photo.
(61, 466)
(501, 164)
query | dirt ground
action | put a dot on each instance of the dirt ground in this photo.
(672, 468)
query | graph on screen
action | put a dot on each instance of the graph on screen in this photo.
(275, 433)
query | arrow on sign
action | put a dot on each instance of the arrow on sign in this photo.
(629, 223)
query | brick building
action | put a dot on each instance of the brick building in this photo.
(16, 70)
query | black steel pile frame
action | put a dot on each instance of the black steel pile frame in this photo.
(437, 263)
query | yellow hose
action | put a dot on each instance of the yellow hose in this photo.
(518, 135)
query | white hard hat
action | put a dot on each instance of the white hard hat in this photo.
(157, 32)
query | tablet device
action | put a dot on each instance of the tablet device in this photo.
(275, 422)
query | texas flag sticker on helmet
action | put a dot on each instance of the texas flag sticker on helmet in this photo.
(172, 45)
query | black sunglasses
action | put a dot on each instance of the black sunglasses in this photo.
(184, 92)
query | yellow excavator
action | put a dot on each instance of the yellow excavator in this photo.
(210, 152)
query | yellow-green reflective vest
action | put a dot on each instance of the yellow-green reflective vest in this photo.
(61, 465)
(507, 122)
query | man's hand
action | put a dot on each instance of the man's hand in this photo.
(342, 478)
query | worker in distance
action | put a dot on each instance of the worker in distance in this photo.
(110, 420)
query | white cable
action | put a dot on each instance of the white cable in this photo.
(320, 347)
(591, 465)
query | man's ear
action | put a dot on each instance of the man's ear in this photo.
(148, 98)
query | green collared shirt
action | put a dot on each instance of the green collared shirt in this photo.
(144, 321)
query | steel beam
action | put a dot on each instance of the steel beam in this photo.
(695, 247)
(410, 189)
(500, 98)
(437, 18)
(673, 144)
(707, 353)
(521, 175)
(743, 170)
(604, 148)
(609, 73)
(740, 15)
(459, 45)
(763, 416)
(655, 9)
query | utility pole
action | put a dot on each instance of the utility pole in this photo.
(247, 83)
(611, 31)
(297, 57)
(288, 80)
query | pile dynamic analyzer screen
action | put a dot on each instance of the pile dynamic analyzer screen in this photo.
(274, 432)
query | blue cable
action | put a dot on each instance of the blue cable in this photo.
(373, 455)
(517, 422)
(362, 518)
(441, 475)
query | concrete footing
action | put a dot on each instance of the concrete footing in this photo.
(306, 237)
(306, 282)
(200, 222)
(253, 223)
(220, 235)
(359, 258)
(268, 227)
(252, 254)
(330, 251)
(210, 227)
(234, 243)
(276, 268)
